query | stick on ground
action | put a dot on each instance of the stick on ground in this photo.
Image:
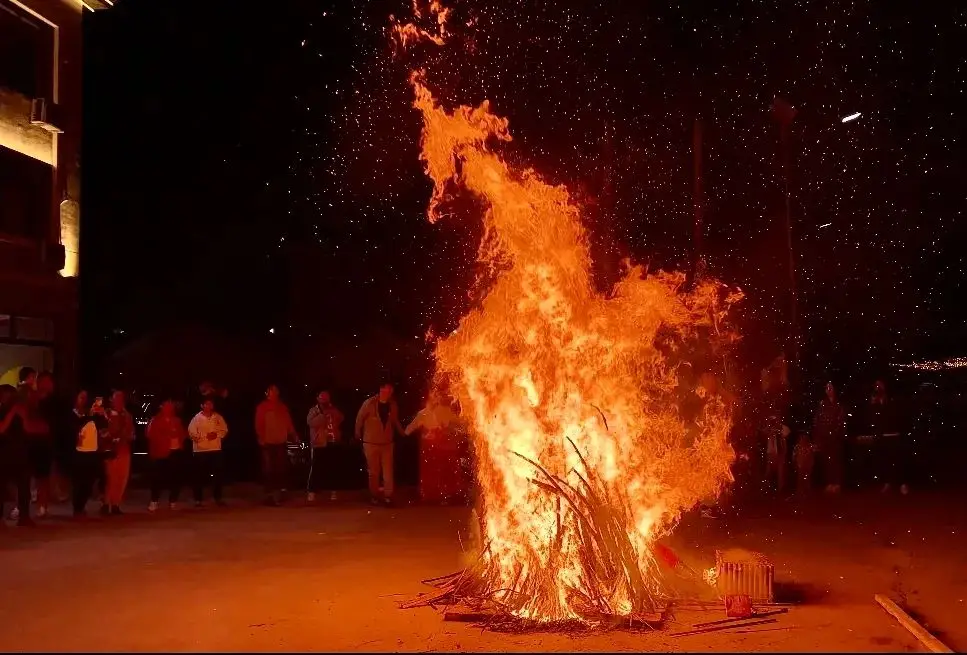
(917, 630)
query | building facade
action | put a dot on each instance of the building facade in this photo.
(40, 144)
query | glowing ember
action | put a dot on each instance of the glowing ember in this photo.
(587, 449)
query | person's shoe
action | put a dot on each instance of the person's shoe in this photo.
(116, 511)
(388, 502)
(42, 512)
(153, 506)
(105, 510)
(25, 522)
(311, 497)
(904, 489)
(173, 506)
(14, 514)
(374, 501)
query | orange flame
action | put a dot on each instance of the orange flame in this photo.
(409, 33)
(552, 375)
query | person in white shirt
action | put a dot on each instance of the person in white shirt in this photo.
(206, 430)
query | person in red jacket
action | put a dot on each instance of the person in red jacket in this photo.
(275, 430)
(166, 454)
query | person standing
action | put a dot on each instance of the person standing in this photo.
(441, 476)
(39, 429)
(206, 431)
(117, 467)
(325, 427)
(274, 428)
(89, 428)
(892, 462)
(166, 454)
(829, 438)
(15, 461)
(376, 424)
(57, 413)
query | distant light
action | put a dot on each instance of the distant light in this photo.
(825, 225)
(954, 363)
(271, 330)
(851, 117)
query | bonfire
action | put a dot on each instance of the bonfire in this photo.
(593, 430)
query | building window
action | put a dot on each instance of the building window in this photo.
(26, 52)
(26, 186)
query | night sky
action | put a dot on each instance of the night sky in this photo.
(257, 169)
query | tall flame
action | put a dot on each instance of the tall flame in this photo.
(573, 397)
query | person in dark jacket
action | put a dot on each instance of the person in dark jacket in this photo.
(891, 456)
(829, 438)
(14, 455)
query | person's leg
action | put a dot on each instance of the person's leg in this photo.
(217, 467)
(22, 480)
(386, 466)
(373, 461)
(124, 474)
(156, 468)
(176, 474)
(41, 461)
(281, 467)
(80, 487)
(267, 481)
(111, 479)
(199, 467)
(312, 479)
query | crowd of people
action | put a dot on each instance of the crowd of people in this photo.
(800, 453)
(89, 447)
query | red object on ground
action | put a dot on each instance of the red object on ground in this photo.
(441, 476)
(738, 607)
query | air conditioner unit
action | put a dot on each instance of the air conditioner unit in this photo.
(42, 114)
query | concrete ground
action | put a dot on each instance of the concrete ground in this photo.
(328, 578)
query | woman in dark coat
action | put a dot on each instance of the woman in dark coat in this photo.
(829, 437)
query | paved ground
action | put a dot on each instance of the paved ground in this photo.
(249, 578)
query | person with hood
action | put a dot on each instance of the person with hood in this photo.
(376, 424)
(166, 454)
(325, 427)
(829, 438)
(275, 430)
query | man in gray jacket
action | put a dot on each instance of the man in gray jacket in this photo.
(376, 424)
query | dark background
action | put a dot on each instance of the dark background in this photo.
(252, 173)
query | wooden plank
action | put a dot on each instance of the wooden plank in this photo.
(917, 630)
(716, 628)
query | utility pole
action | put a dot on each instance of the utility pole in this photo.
(698, 199)
(784, 113)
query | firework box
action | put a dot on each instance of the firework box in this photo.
(738, 606)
